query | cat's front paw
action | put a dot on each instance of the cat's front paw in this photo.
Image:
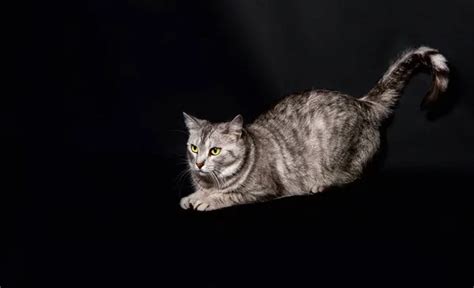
(196, 203)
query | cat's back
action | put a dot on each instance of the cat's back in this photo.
(312, 121)
(303, 108)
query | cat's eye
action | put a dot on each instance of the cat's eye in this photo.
(194, 148)
(215, 151)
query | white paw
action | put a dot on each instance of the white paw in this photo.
(192, 202)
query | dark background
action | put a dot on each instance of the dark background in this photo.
(99, 145)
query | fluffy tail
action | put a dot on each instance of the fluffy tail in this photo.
(388, 89)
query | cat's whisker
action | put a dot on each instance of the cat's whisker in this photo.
(181, 175)
(213, 177)
(179, 180)
(220, 184)
(217, 180)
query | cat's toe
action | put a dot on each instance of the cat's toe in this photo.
(201, 206)
(185, 203)
(317, 189)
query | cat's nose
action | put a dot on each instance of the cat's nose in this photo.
(200, 164)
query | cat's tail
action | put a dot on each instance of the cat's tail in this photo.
(388, 89)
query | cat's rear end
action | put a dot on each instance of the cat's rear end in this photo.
(327, 138)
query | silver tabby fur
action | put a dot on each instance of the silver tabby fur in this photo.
(304, 144)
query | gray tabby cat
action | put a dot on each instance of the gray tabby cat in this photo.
(304, 144)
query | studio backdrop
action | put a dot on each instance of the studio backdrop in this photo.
(101, 138)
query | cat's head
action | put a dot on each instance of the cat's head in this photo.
(214, 147)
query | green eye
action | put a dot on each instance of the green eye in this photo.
(215, 151)
(194, 148)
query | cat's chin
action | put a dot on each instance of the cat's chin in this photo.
(204, 178)
(201, 173)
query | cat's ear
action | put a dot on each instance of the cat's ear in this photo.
(192, 122)
(236, 125)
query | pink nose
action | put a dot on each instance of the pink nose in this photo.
(200, 164)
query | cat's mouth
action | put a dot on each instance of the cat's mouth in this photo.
(200, 172)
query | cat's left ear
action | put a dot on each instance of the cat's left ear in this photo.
(236, 125)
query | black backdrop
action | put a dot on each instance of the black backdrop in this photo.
(100, 142)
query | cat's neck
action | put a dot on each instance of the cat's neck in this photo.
(246, 167)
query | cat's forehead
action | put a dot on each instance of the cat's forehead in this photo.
(214, 133)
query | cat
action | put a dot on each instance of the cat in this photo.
(304, 144)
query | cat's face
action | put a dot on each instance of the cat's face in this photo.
(214, 148)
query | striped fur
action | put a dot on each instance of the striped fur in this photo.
(304, 144)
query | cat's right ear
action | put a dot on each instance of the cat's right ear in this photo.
(192, 122)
